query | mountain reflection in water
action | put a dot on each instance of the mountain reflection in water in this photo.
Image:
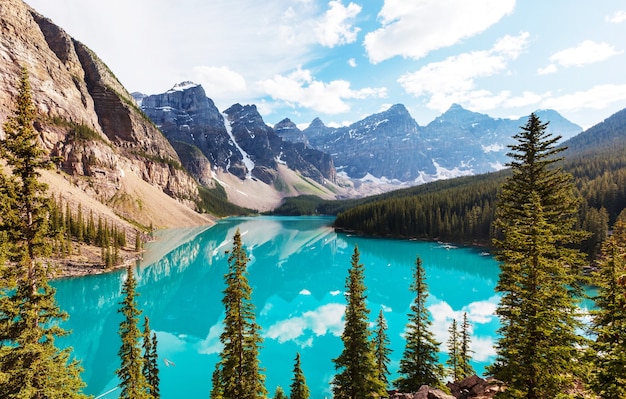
(297, 270)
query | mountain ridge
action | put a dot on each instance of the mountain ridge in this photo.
(90, 122)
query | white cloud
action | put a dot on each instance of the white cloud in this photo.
(527, 98)
(587, 52)
(212, 344)
(335, 27)
(352, 62)
(617, 17)
(453, 79)
(299, 88)
(483, 312)
(598, 97)
(321, 321)
(412, 29)
(550, 68)
(218, 81)
(483, 348)
(305, 292)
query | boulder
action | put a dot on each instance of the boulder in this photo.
(475, 387)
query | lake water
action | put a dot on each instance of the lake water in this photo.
(297, 270)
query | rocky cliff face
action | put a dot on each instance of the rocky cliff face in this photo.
(236, 141)
(391, 145)
(85, 115)
(386, 144)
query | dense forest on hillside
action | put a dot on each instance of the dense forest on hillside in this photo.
(462, 209)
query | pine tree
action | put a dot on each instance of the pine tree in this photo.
(132, 381)
(465, 353)
(240, 373)
(609, 319)
(453, 352)
(381, 349)
(31, 366)
(420, 363)
(357, 377)
(298, 387)
(537, 355)
(216, 383)
(279, 393)
(150, 368)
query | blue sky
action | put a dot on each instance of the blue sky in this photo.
(343, 60)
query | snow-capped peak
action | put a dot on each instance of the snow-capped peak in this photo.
(182, 86)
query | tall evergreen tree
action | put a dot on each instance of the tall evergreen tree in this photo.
(454, 352)
(420, 361)
(465, 353)
(535, 217)
(132, 380)
(298, 387)
(381, 349)
(240, 375)
(279, 393)
(31, 366)
(609, 319)
(356, 365)
(150, 368)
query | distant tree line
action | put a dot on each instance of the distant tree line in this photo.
(68, 227)
(463, 210)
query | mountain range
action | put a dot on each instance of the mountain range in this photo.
(391, 146)
(384, 148)
(148, 158)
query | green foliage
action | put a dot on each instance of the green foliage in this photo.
(280, 393)
(150, 369)
(465, 353)
(31, 366)
(609, 319)
(172, 163)
(537, 354)
(216, 384)
(132, 381)
(298, 387)
(459, 353)
(419, 364)
(239, 373)
(453, 212)
(215, 201)
(453, 352)
(381, 349)
(357, 376)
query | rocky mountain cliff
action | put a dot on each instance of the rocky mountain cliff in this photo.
(88, 119)
(237, 141)
(391, 146)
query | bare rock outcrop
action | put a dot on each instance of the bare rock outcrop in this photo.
(425, 392)
(86, 118)
(475, 387)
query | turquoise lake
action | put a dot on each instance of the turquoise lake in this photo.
(297, 269)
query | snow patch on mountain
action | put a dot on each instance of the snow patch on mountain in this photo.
(443, 173)
(182, 86)
(378, 180)
(493, 148)
(247, 161)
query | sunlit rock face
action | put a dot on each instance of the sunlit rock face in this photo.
(237, 141)
(84, 114)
